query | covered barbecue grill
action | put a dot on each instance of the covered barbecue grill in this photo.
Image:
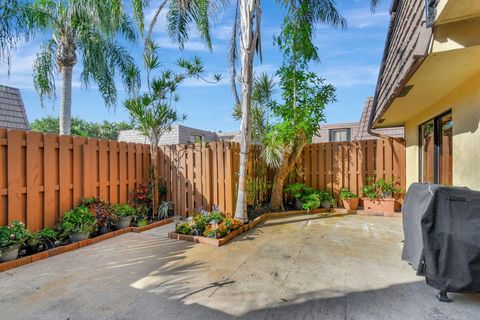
(441, 226)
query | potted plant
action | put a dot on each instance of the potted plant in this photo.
(41, 240)
(298, 192)
(106, 217)
(349, 199)
(199, 223)
(380, 196)
(125, 213)
(327, 200)
(77, 223)
(312, 201)
(12, 237)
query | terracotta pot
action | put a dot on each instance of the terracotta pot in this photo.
(380, 206)
(351, 204)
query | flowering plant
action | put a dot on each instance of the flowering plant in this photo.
(142, 196)
(13, 234)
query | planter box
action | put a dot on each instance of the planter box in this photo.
(384, 207)
(351, 204)
(248, 226)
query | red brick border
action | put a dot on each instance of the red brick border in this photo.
(8, 265)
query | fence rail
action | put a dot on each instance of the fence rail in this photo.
(44, 175)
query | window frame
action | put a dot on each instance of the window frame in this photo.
(332, 131)
(437, 131)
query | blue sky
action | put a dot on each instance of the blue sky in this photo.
(350, 60)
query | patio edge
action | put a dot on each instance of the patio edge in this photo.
(8, 265)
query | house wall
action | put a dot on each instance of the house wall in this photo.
(464, 101)
(178, 135)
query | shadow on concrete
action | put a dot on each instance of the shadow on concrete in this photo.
(404, 301)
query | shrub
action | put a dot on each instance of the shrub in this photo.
(142, 196)
(312, 201)
(45, 238)
(13, 234)
(347, 194)
(105, 214)
(184, 228)
(381, 189)
(298, 190)
(78, 220)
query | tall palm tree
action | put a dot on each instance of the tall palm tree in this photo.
(85, 29)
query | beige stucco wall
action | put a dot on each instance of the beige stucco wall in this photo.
(464, 101)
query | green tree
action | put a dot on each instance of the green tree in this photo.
(83, 128)
(85, 29)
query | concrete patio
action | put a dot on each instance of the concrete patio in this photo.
(302, 267)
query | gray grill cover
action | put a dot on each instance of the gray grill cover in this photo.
(441, 226)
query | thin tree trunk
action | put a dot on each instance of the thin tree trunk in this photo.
(247, 8)
(153, 158)
(66, 100)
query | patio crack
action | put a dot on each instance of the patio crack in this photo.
(226, 280)
(285, 280)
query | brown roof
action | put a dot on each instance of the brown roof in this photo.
(407, 44)
(362, 133)
(12, 110)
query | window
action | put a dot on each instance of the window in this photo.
(195, 138)
(436, 150)
(339, 135)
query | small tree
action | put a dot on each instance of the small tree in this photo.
(154, 112)
(303, 93)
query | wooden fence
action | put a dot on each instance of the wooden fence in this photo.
(331, 166)
(43, 175)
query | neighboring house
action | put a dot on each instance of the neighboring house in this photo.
(337, 132)
(429, 82)
(355, 131)
(230, 136)
(12, 110)
(178, 135)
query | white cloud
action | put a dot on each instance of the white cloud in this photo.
(350, 76)
(364, 18)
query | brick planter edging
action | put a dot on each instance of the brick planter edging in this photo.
(252, 224)
(8, 265)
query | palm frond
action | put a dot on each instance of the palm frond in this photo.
(44, 69)
(271, 152)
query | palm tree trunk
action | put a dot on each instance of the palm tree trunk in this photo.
(247, 8)
(66, 100)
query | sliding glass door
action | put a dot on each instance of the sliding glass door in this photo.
(436, 150)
